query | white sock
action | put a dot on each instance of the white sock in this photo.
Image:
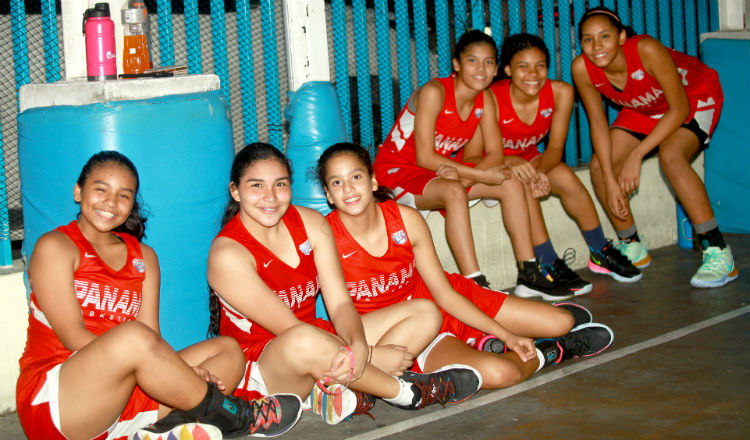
(474, 274)
(542, 360)
(405, 394)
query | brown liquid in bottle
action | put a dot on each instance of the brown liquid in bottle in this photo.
(135, 58)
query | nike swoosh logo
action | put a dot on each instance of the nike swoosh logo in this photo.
(508, 121)
(88, 255)
(448, 112)
(348, 255)
(267, 263)
(598, 85)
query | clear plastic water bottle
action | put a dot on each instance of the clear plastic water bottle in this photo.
(101, 55)
(136, 27)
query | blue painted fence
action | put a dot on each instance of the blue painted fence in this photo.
(395, 47)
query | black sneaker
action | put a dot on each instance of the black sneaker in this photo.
(268, 416)
(178, 425)
(560, 272)
(611, 262)
(450, 384)
(581, 314)
(481, 281)
(588, 340)
(533, 281)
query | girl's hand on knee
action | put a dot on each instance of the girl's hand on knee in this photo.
(392, 359)
(523, 347)
(339, 370)
(617, 201)
(208, 377)
(497, 175)
(447, 172)
(525, 172)
(540, 188)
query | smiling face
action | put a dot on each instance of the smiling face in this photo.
(601, 42)
(106, 197)
(528, 71)
(348, 185)
(477, 65)
(263, 193)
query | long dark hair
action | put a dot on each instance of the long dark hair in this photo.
(246, 157)
(135, 224)
(381, 194)
(516, 43)
(607, 13)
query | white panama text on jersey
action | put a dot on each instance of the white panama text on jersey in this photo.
(645, 100)
(379, 285)
(522, 144)
(294, 296)
(106, 301)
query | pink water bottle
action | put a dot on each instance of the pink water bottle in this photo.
(101, 56)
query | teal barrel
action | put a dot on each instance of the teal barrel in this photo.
(182, 148)
(315, 123)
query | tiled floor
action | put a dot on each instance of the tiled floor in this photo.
(679, 369)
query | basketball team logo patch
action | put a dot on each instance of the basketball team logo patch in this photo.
(399, 237)
(140, 266)
(546, 112)
(637, 75)
(305, 247)
(478, 113)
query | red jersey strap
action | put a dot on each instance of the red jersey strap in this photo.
(133, 266)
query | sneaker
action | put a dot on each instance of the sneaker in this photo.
(636, 252)
(533, 281)
(717, 268)
(612, 262)
(492, 344)
(341, 404)
(588, 340)
(560, 272)
(451, 384)
(581, 314)
(178, 425)
(481, 281)
(264, 417)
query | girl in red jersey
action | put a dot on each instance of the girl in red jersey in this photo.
(669, 100)
(376, 237)
(265, 269)
(95, 365)
(420, 160)
(533, 108)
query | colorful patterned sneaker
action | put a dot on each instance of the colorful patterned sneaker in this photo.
(581, 315)
(587, 340)
(560, 272)
(636, 252)
(450, 384)
(717, 268)
(340, 403)
(612, 262)
(267, 416)
(178, 425)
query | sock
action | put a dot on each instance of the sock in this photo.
(595, 238)
(629, 234)
(545, 253)
(712, 237)
(405, 395)
(542, 361)
(474, 274)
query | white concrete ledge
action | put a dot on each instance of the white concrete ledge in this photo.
(654, 208)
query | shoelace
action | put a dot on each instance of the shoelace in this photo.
(712, 261)
(266, 412)
(364, 404)
(569, 256)
(434, 391)
(574, 345)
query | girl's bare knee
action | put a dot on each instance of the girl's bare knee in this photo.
(428, 313)
(501, 375)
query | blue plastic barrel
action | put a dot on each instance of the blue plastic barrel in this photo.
(182, 148)
(315, 123)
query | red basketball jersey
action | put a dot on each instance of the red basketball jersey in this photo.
(519, 138)
(451, 132)
(377, 282)
(296, 286)
(642, 92)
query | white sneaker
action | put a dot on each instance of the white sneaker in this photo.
(717, 268)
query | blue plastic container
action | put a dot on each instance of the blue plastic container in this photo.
(182, 148)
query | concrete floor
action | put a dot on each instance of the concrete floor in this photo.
(679, 369)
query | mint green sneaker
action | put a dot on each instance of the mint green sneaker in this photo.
(717, 268)
(636, 252)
